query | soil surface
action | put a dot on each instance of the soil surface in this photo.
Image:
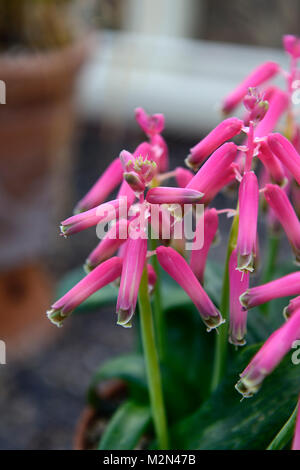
(43, 394)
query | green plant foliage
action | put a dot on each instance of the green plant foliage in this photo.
(128, 368)
(197, 420)
(226, 422)
(126, 427)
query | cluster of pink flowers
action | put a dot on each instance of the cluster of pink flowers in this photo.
(217, 163)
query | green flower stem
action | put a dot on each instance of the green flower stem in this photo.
(152, 364)
(285, 434)
(220, 359)
(159, 318)
(272, 252)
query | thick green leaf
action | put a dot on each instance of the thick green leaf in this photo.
(126, 427)
(224, 422)
(261, 325)
(189, 357)
(285, 435)
(129, 368)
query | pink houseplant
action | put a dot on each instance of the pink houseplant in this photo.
(181, 383)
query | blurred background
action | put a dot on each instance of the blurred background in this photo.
(74, 72)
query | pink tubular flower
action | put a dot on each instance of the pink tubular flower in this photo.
(216, 172)
(248, 211)
(104, 274)
(271, 163)
(238, 283)
(133, 265)
(112, 241)
(223, 132)
(286, 153)
(282, 287)
(143, 150)
(258, 76)
(160, 152)
(293, 305)
(152, 278)
(166, 195)
(277, 106)
(269, 356)
(183, 176)
(103, 213)
(135, 182)
(256, 105)
(296, 440)
(150, 124)
(176, 266)
(291, 45)
(126, 193)
(107, 182)
(199, 256)
(283, 209)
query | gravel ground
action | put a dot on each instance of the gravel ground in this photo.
(42, 395)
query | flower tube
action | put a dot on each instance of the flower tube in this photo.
(176, 266)
(223, 132)
(238, 283)
(152, 278)
(269, 356)
(112, 241)
(183, 176)
(216, 172)
(287, 154)
(107, 182)
(277, 106)
(282, 287)
(126, 194)
(248, 211)
(291, 45)
(150, 124)
(104, 274)
(283, 209)
(209, 225)
(293, 305)
(258, 76)
(160, 153)
(271, 163)
(103, 213)
(166, 195)
(133, 265)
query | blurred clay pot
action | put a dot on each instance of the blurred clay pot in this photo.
(36, 129)
(93, 420)
(37, 120)
(108, 396)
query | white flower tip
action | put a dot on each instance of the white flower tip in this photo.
(56, 317)
(193, 166)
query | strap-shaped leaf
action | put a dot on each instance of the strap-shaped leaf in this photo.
(126, 427)
(129, 368)
(224, 422)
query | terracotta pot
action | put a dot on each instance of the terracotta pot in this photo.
(92, 422)
(25, 294)
(37, 120)
(36, 129)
